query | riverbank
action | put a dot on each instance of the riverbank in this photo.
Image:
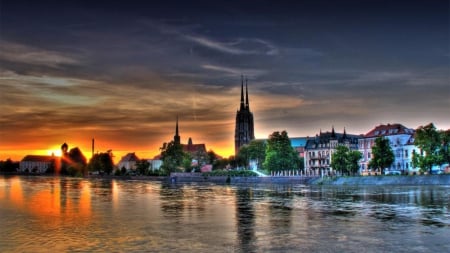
(336, 181)
(384, 180)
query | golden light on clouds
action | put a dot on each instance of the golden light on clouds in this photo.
(125, 87)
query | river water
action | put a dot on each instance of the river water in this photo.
(48, 214)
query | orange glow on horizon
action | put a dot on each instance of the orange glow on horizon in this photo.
(225, 150)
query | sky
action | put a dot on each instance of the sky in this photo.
(122, 71)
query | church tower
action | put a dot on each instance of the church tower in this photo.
(176, 138)
(244, 131)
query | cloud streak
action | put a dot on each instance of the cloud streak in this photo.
(238, 47)
(15, 52)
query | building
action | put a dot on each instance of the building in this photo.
(244, 130)
(129, 162)
(299, 144)
(190, 147)
(401, 140)
(38, 163)
(197, 151)
(318, 150)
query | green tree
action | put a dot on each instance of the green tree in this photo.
(353, 157)
(382, 154)
(432, 145)
(445, 150)
(257, 152)
(339, 159)
(345, 160)
(242, 158)
(101, 162)
(186, 163)
(142, 167)
(172, 156)
(280, 155)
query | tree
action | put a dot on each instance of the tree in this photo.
(242, 158)
(339, 159)
(280, 155)
(382, 154)
(8, 165)
(345, 160)
(142, 167)
(101, 162)
(433, 147)
(445, 150)
(353, 157)
(257, 151)
(172, 156)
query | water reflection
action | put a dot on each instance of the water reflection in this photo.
(245, 219)
(142, 216)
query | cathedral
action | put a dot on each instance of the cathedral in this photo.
(244, 131)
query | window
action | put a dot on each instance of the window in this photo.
(406, 153)
(368, 155)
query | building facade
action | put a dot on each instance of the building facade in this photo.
(401, 140)
(129, 162)
(244, 129)
(319, 150)
(38, 163)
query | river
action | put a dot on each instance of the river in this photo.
(52, 214)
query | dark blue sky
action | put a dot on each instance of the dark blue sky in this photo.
(122, 70)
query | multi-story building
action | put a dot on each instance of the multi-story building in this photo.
(129, 162)
(401, 140)
(318, 150)
(38, 163)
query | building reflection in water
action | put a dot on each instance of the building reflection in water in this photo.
(245, 219)
(51, 199)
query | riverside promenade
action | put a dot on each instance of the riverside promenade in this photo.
(317, 180)
(384, 180)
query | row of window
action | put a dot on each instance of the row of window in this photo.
(319, 162)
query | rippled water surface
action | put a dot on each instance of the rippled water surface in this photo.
(46, 214)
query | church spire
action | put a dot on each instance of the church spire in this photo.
(333, 134)
(242, 92)
(246, 95)
(176, 138)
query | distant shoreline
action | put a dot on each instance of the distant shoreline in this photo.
(315, 181)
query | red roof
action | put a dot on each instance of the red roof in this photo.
(194, 148)
(389, 129)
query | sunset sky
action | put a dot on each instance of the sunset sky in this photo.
(121, 71)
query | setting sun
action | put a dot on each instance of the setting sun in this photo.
(55, 151)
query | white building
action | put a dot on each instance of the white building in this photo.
(38, 163)
(318, 150)
(129, 162)
(401, 140)
(155, 164)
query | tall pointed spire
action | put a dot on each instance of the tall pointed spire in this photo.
(176, 138)
(333, 134)
(345, 134)
(242, 92)
(246, 95)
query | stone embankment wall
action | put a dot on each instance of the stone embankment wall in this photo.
(198, 177)
(385, 180)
